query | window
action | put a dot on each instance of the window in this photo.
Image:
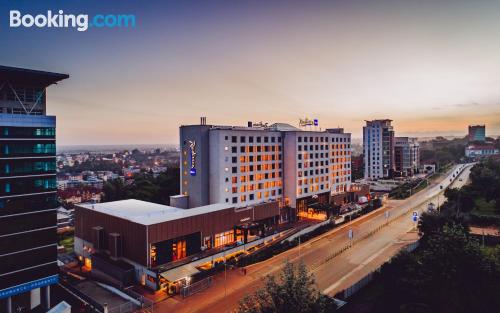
(234, 139)
(225, 238)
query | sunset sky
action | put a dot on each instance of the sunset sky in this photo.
(431, 66)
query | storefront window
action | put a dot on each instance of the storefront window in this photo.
(225, 238)
(178, 250)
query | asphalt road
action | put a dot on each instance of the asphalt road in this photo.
(377, 237)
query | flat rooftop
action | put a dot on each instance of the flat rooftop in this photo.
(276, 127)
(148, 213)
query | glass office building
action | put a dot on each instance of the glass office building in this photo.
(28, 218)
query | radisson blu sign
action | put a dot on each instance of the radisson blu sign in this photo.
(192, 148)
(12, 291)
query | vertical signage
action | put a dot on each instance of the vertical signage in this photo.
(192, 148)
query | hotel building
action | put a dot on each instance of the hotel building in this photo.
(378, 149)
(28, 216)
(238, 184)
(260, 164)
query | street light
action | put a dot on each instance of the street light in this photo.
(225, 276)
(299, 247)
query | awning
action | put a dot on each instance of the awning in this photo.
(180, 272)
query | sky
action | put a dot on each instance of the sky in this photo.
(431, 66)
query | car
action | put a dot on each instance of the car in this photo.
(460, 179)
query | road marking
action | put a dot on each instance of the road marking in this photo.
(357, 269)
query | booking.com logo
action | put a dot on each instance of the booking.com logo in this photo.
(81, 22)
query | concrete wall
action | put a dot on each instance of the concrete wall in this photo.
(195, 186)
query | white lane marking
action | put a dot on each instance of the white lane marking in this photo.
(356, 269)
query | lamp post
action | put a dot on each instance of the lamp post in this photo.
(299, 247)
(225, 277)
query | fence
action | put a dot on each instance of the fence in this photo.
(123, 308)
(201, 285)
(307, 230)
(139, 304)
(91, 303)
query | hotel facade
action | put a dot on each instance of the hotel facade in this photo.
(28, 216)
(260, 164)
(238, 185)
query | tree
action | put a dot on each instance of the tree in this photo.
(293, 292)
(449, 273)
(144, 187)
(114, 190)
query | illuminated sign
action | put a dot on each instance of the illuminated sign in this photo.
(260, 124)
(9, 292)
(192, 147)
(306, 122)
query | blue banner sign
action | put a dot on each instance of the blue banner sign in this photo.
(9, 292)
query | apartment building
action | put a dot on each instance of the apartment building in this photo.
(406, 155)
(28, 214)
(378, 148)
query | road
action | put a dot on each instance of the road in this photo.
(377, 237)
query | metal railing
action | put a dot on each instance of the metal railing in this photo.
(196, 287)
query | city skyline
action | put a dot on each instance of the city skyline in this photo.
(430, 68)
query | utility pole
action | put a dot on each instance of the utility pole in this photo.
(225, 278)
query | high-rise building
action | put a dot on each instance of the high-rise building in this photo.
(378, 149)
(259, 164)
(406, 155)
(477, 133)
(28, 217)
